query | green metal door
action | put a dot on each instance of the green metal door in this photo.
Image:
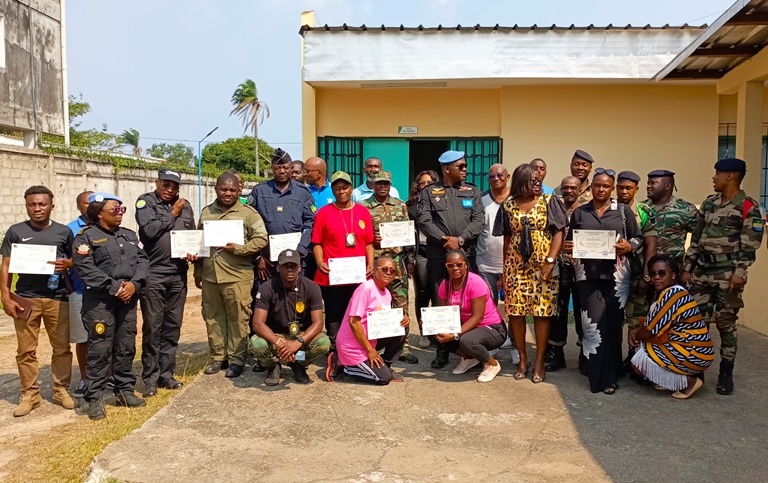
(481, 154)
(394, 156)
(343, 154)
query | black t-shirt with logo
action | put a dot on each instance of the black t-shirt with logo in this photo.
(56, 234)
(285, 307)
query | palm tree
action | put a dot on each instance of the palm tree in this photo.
(251, 110)
(130, 137)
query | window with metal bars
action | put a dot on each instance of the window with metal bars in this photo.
(726, 148)
(481, 154)
(343, 154)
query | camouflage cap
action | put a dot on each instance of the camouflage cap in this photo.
(382, 176)
(340, 176)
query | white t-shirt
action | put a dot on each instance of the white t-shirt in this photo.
(490, 249)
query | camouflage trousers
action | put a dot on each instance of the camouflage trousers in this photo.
(266, 353)
(710, 291)
(399, 290)
(637, 306)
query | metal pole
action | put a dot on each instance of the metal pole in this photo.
(200, 173)
(64, 81)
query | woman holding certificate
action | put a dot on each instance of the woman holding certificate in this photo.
(601, 235)
(343, 249)
(533, 225)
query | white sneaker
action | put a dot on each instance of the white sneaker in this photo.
(507, 344)
(465, 365)
(489, 372)
(515, 356)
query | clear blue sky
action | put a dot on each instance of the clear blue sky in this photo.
(168, 68)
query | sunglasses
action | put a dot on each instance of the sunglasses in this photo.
(451, 266)
(119, 210)
(388, 270)
(461, 167)
(660, 273)
(424, 183)
(492, 177)
(169, 185)
(609, 172)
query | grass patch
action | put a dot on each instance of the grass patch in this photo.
(67, 457)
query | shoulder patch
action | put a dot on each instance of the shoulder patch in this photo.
(82, 230)
(313, 208)
(141, 204)
(757, 225)
(83, 249)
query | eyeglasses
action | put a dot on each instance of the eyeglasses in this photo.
(310, 170)
(492, 177)
(169, 185)
(119, 210)
(451, 266)
(424, 183)
(660, 273)
(388, 270)
(609, 172)
(461, 167)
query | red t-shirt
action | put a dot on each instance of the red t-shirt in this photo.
(331, 227)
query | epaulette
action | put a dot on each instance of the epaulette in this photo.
(82, 230)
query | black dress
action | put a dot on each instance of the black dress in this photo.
(603, 287)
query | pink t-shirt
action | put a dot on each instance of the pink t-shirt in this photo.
(475, 287)
(367, 298)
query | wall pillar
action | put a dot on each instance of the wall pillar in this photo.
(749, 133)
(308, 106)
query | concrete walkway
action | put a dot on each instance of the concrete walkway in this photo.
(439, 427)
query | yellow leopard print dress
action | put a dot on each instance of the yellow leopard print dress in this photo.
(524, 294)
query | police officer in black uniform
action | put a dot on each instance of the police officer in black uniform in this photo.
(162, 300)
(114, 268)
(451, 215)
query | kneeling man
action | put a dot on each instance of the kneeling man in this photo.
(288, 321)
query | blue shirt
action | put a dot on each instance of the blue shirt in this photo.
(323, 196)
(77, 284)
(363, 192)
(547, 190)
(290, 211)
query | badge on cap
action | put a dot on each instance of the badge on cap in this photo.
(141, 204)
(288, 253)
(99, 328)
(294, 328)
(300, 307)
(98, 198)
(83, 249)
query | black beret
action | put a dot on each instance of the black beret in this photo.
(629, 176)
(281, 157)
(660, 173)
(583, 155)
(731, 165)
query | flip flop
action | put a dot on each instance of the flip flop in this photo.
(696, 386)
(660, 388)
(519, 376)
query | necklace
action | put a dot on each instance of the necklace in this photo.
(349, 237)
(453, 292)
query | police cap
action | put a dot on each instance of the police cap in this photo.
(628, 176)
(583, 155)
(449, 157)
(166, 174)
(660, 173)
(98, 197)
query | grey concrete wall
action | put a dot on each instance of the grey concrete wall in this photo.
(31, 81)
(21, 168)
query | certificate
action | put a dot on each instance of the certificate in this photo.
(218, 233)
(440, 320)
(594, 244)
(278, 243)
(397, 234)
(32, 259)
(190, 242)
(385, 323)
(345, 271)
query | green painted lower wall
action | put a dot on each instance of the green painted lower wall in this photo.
(394, 156)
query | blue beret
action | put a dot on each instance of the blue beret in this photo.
(660, 173)
(449, 157)
(730, 165)
(583, 155)
(629, 176)
(99, 197)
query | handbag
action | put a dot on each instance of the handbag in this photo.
(635, 264)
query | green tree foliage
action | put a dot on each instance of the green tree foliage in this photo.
(131, 138)
(252, 111)
(238, 154)
(173, 153)
(84, 138)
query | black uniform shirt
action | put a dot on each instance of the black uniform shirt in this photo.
(290, 211)
(155, 220)
(55, 234)
(104, 259)
(285, 307)
(450, 211)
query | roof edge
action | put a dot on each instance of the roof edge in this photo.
(497, 27)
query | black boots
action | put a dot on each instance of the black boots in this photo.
(725, 379)
(557, 359)
(441, 358)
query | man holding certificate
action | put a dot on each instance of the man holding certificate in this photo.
(226, 276)
(44, 293)
(158, 213)
(387, 211)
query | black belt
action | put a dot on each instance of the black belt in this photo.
(720, 257)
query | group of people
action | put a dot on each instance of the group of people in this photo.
(470, 247)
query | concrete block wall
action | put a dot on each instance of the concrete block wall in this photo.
(21, 168)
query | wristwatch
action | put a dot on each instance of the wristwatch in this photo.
(550, 260)
(456, 336)
(301, 339)
(461, 241)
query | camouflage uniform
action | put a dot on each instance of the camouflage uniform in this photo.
(674, 220)
(723, 244)
(637, 305)
(584, 196)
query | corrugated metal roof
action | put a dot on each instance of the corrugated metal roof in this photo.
(737, 35)
(497, 27)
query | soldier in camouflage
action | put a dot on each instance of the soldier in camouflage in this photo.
(675, 218)
(728, 233)
(385, 209)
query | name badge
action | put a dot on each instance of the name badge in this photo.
(467, 203)
(279, 209)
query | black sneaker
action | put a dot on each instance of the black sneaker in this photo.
(96, 410)
(273, 375)
(129, 399)
(80, 389)
(300, 373)
(408, 358)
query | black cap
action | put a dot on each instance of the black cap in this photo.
(731, 165)
(166, 174)
(629, 176)
(583, 155)
(281, 157)
(660, 173)
(289, 256)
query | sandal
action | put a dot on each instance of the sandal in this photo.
(660, 388)
(519, 376)
(538, 379)
(610, 390)
(681, 395)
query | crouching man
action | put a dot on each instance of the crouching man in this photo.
(288, 321)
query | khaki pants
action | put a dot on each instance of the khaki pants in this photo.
(227, 314)
(55, 315)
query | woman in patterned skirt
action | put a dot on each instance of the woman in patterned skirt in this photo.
(674, 343)
(533, 225)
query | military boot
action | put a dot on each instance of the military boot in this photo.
(27, 404)
(725, 379)
(557, 361)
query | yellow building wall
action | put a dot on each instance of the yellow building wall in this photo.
(728, 108)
